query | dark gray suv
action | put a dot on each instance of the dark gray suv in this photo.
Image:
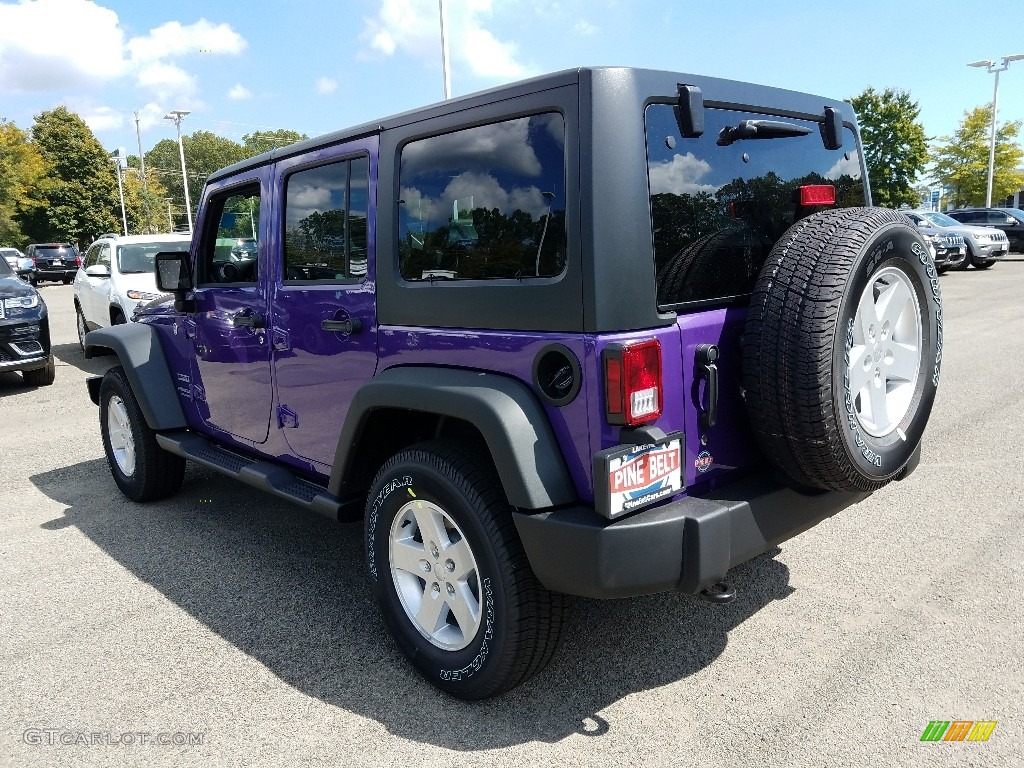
(1010, 220)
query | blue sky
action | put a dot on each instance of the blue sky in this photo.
(319, 66)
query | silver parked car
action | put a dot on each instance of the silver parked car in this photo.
(985, 245)
(949, 251)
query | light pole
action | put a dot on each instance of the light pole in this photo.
(991, 67)
(176, 115)
(170, 219)
(444, 52)
(116, 158)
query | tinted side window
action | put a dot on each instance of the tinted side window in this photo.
(719, 204)
(325, 222)
(91, 256)
(485, 202)
(226, 255)
(103, 257)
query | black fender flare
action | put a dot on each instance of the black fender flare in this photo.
(512, 421)
(138, 348)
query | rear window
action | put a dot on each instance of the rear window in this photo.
(486, 202)
(718, 207)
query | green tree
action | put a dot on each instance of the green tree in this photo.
(895, 148)
(145, 205)
(79, 182)
(961, 160)
(263, 141)
(205, 152)
(21, 168)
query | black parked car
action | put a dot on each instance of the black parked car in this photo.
(24, 330)
(54, 261)
(1010, 220)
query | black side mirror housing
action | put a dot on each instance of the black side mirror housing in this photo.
(174, 275)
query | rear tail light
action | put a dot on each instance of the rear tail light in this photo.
(632, 382)
(78, 260)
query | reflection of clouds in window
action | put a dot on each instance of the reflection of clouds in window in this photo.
(484, 190)
(681, 175)
(554, 125)
(416, 205)
(304, 199)
(848, 165)
(500, 146)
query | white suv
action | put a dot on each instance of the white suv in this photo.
(116, 276)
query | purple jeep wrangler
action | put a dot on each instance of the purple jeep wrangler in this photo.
(606, 332)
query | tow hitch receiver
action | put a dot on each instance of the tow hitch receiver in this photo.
(719, 594)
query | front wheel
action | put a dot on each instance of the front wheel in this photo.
(141, 468)
(450, 575)
(982, 263)
(41, 377)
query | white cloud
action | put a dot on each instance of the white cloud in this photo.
(412, 27)
(239, 92)
(326, 85)
(681, 175)
(103, 119)
(86, 47)
(176, 39)
(584, 28)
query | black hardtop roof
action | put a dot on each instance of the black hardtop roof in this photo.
(647, 82)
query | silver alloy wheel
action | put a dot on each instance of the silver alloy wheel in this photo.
(119, 431)
(435, 575)
(82, 330)
(885, 358)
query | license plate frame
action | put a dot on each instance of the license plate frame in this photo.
(631, 477)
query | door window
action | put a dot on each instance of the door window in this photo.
(230, 253)
(326, 223)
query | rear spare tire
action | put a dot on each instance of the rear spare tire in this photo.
(842, 347)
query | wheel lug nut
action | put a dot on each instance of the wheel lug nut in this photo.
(435, 589)
(425, 565)
(449, 565)
(451, 590)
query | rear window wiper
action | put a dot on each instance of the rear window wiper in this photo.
(759, 129)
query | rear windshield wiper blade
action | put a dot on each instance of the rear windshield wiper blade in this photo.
(759, 129)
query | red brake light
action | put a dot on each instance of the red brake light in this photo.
(817, 194)
(633, 385)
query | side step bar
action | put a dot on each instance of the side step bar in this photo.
(260, 474)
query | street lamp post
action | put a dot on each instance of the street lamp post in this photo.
(176, 115)
(170, 219)
(117, 159)
(992, 68)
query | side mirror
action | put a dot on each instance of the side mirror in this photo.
(173, 275)
(98, 270)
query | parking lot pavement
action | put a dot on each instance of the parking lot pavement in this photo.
(241, 630)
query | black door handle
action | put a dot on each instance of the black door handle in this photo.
(347, 326)
(246, 319)
(707, 354)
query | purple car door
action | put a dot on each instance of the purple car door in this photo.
(323, 334)
(231, 368)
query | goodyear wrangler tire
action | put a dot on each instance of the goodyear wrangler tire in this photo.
(842, 348)
(450, 575)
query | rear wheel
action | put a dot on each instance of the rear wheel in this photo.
(450, 575)
(82, 327)
(141, 468)
(842, 348)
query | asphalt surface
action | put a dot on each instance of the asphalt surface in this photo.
(225, 617)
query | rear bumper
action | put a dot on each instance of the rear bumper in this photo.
(55, 273)
(686, 545)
